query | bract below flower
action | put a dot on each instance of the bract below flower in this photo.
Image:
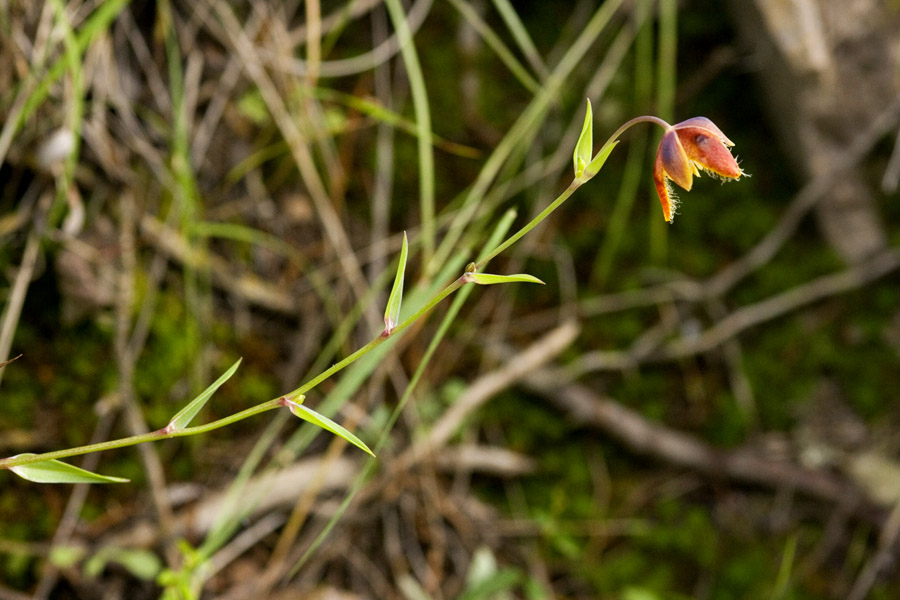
(685, 149)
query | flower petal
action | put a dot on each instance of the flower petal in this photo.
(663, 189)
(705, 123)
(675, 162)
(704, 148)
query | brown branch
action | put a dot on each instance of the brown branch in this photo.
(483, 389)
(730, 326)
(748, 316)
(589, 408)
(881, 559)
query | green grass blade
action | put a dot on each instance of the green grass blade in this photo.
(634, 170)
(523, 130)
(93, 26)
(496, 44)
(521, 35)
(783, 580)
(187, 414)
(55, 471)
(373, 108)
(423, 122)
(392, 312)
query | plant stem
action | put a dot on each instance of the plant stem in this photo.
(380, 339)
(576, 183)
(628, 124)
(160, 434)
(165, 433)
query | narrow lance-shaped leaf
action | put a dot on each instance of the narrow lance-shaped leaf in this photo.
(585, 145)
(55, 471)
(392, 312)
(187, 414)
(594, 167)
(489, 279)
(311, 416)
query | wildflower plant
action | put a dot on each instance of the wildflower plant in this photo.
(686, 148)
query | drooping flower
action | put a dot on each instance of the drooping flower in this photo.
(685, 149)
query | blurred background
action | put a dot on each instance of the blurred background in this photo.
(701, 410)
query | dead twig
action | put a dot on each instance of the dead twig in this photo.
(300, 151)
(589, 408)
(280, 489)
(13, 309)
(823, 287)
(246, 286)
(881, 560)
(487, 386)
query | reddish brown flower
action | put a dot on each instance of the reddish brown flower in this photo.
(685, 149)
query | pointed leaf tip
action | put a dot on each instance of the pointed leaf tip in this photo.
(55, 471)
(187, 414)
(585, 145)
(392, 312)
(597, 163)
(311, 416)
(490, 279)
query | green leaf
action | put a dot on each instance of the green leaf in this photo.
(187, 414)
(597, 163)
(639, 593)
(307, 414)
(252, 106)
(489, 279)
(143, 564)
(499, 585)
(64, 557)
(392, 312)
(54, 471)
(585, 145)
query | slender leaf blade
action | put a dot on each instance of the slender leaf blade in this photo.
(187, 414)
(55, 471)
(392, 312)
(311, 416)
(490, 279)
(585, 145)
(594, 167)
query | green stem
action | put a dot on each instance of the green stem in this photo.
(160, 434)
(576, 183)
(165, 433)
(627, 125)
(458, 283)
